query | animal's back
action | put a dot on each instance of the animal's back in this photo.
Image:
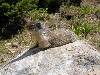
(61, 37)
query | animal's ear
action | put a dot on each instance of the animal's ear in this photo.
(28, 21)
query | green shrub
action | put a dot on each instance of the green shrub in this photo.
(10, 20)
(40, 14)
(27, 5)
(12, 13)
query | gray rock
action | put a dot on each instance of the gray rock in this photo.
(77, 58)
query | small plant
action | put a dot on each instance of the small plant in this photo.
(80, 27)
(85, 10)
(86, 29)
(76, 30)
(97, 13)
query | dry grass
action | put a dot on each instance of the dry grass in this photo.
(12, 47)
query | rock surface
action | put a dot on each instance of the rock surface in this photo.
(77, 58)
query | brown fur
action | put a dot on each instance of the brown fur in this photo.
(47, 38)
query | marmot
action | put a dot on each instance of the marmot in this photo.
(46, 38)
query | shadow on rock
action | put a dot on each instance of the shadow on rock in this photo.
(25, 54)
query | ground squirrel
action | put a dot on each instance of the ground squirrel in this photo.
(47, 38)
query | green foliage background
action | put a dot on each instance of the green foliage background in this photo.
(13, 12)
(11, 15)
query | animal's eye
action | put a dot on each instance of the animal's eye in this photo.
(38, 25)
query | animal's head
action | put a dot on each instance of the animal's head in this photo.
(39, 27)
